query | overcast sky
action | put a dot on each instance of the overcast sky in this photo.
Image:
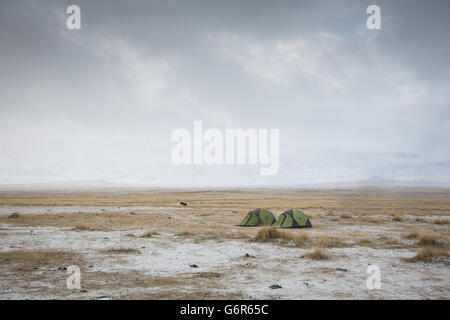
(98, 105)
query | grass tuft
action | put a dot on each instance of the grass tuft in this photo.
(301, 240)
(413, 234)
(83, 227)
(14, 215)
(328, 242)
(316, 254)
(428, 240)
(122, 250)
(149, 234)
(441, 221)
(267, 233)
(428, 254)
(185, 233)
(425, 238)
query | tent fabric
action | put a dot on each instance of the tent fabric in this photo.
(258, 217)
(293, 218)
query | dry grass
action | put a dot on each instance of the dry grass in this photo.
(149, 234)
(83, 227)
(346, 216)
(121, 250)
(271, 233)
(370, 219)
(425, 238)
(185, 233)
(441, 221)
(28, 259)
(206, 275)
(14, 215)
(413, 234)
(267, 233)
(301, 240)
(325, 241)
(377, 206)
(428, 239)
(317, 254)
(205, 214)
(365, 242)
(429, 254)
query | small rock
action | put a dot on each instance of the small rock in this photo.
(62, 268)
(183, 203)
(342, 269)
(193, 266)
(275, 286)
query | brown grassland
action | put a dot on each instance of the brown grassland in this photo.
(410, 219)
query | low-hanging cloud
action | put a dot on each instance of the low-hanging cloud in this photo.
(99, 104)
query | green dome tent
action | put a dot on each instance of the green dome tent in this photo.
(258, 217)
(293, 219)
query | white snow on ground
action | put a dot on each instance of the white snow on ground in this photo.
(270, 263)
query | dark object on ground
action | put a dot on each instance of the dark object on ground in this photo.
(62, 268)
(193, 266)
(275, 286)
(183, 203)
(342, 269)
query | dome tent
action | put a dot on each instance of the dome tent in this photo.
(293, 218)
(258, 217)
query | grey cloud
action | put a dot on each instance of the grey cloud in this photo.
(100, 103)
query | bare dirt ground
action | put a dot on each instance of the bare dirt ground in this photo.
(139, 244)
